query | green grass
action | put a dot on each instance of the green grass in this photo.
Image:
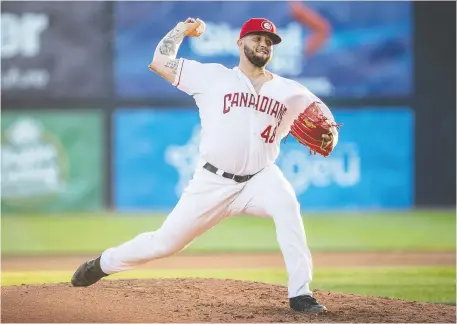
(430, 284)
(92, 233)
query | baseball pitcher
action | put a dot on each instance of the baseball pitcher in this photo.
(245, 112)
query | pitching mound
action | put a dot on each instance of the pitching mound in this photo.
(199, 300)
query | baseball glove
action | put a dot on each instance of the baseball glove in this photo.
(313, 129)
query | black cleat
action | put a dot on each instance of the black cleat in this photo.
(88, 273)
(306, 303)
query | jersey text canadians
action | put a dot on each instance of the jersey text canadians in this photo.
(248, 100)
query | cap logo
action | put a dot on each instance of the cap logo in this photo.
(267, 25)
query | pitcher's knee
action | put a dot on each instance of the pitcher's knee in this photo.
(163, 246)
(285, 205)
(165, 250)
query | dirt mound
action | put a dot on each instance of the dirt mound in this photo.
(199, 300)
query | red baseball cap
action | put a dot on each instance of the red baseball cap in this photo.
(260, 25)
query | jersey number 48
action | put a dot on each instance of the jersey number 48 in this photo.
(266, 134)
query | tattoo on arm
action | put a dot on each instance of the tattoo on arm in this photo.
(173, 65)
(170, 43)
(164, 62)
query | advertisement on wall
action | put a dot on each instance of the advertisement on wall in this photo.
(372, 166)
(337, 49)
(51, 162)
(49, 53)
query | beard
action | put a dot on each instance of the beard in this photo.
(254, 59)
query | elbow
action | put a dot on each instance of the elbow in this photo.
(157, 64)
(153, 66)
(157, 61)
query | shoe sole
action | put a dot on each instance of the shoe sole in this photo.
(319, 310)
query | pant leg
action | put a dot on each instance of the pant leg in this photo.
(203, 204)
(269, 194)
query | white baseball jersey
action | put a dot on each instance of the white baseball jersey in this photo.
(242, 129)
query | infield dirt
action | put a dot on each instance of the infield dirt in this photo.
(210, 300)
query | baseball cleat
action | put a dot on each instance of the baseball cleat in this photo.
(88, 273)
(306, 303)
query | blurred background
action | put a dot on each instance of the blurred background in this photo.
(96, 148)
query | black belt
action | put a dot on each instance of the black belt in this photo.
(237, 178)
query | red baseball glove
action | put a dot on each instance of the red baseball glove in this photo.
(313, 129)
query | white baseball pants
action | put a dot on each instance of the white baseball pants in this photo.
(210, 198)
